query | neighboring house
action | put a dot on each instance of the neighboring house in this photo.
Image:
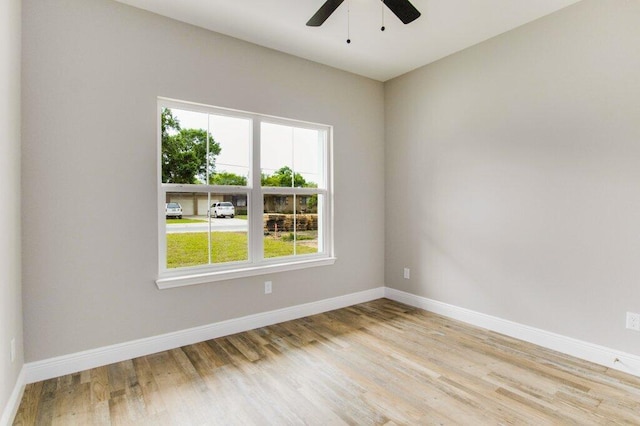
(285, 203)
(197, 204)
(194, 204)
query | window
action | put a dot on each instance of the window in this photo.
(240, 194)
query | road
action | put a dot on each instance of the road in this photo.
(217, 225)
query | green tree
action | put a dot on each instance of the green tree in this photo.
(184, 152)
(285, 177)
(226, 178)
(169, 122)
(312, 202)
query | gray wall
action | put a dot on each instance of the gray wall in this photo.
(10, 296)
(513, 175)
(92, 71)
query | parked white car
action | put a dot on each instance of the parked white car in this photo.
(173, 210)
(223, 209)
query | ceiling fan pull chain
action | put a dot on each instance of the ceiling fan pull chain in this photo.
(382, 13)
(348, 22)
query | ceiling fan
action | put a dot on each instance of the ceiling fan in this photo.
(403, 9)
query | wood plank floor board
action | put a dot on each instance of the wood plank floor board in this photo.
(44, 416)
(376, 363)
(153, 402)
(32, 400)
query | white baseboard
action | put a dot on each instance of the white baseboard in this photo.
(601, 355)
(71, 363)
(67, 364)
(11, 408)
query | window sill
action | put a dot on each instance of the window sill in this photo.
(201, 278)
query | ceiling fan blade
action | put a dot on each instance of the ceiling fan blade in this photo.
(324, 12)
(403, 10)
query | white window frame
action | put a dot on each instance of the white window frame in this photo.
(256, 264)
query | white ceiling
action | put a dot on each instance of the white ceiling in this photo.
(445, 27)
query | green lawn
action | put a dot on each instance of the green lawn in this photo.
(190, 249)
(274, 247)
(170, 221)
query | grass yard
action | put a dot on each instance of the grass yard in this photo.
(190, 249)
(277, 247)
(170, 221)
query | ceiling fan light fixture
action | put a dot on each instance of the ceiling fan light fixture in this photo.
(403, 9)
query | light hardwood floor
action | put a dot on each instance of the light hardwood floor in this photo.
(375, 363)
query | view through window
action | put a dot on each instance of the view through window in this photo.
(240, 190)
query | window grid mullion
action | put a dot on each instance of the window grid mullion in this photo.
(256, 243)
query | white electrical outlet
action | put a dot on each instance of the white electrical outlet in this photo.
(633, 321)
(267, 287)
(407, 273)
(13, 350)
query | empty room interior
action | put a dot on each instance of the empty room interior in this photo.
(213, 213)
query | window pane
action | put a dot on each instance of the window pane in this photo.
(276, 154)
(290, 225)
(291, 156)
(232, 138)
(207, 229)
(185, 155)
(229, 228)
(186, 230)
(308, 157)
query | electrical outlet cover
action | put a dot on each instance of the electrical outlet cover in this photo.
(633, 321)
